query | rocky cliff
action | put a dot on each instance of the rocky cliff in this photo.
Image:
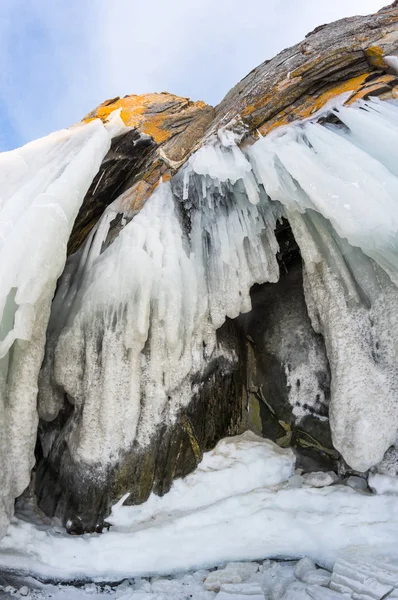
(228, 268)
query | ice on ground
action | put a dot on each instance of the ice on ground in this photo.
(383, 484)
(233, 573)
(304, 566)
(367, 573)
(234, 507)
(42, 186)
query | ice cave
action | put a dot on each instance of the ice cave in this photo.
(199, 338)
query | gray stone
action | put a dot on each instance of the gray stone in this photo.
(320, 478)
(357, 483)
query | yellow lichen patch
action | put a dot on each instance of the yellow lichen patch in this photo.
(375, 56)
(148, 113)
(135, 197)
(312, 104)
(373, 86)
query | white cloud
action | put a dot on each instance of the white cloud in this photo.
(59, 59)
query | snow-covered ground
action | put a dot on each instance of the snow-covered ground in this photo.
(243, 503)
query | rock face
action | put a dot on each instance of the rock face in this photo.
(220, 299)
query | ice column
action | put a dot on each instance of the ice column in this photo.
(42, 186)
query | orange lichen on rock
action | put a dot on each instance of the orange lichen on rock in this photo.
(358, 87)
(375, 56)
(148, 112)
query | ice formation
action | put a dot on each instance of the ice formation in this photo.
(138, 321)
(42, 187)
(134, 321)
(338, 185)
(237, 505)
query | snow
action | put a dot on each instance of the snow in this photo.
(236, 506)
(42, 186)
(383, 484)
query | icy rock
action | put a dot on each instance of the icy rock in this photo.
(276, 578)
(142, 585)
(23, 591)
(389, 464)
(166, 586)
(244, 589)
(296, 481)
(122, 587)
(366, 573)
(321, 593)
(9, 589)
(317, 577)
(232, 573)
(383, 484)
(233, 596)
(278, 590)
(200, 575)
(304, 566)
(296, 591)
(320, 478)
(357, 483)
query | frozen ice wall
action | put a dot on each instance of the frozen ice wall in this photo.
(134, 322)
(42, 186)
(338, 183)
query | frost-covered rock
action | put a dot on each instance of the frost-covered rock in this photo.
(304, 565)
(296, 481)
(243, 589)
(23, 591)
(383, 484)
(317, 577)
(368, 573)
(357, 483)
(389, 464)
(233, 573)
(239, 596)
(320, 478)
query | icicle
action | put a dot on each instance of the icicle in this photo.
(142, 321)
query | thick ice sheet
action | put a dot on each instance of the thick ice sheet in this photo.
(233, 507)
(42, 186)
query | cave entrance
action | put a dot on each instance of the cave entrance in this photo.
(287, 370)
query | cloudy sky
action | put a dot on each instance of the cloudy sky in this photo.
(61, 58)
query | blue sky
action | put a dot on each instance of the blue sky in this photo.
(61, 58)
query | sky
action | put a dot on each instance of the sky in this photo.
(59, 59)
